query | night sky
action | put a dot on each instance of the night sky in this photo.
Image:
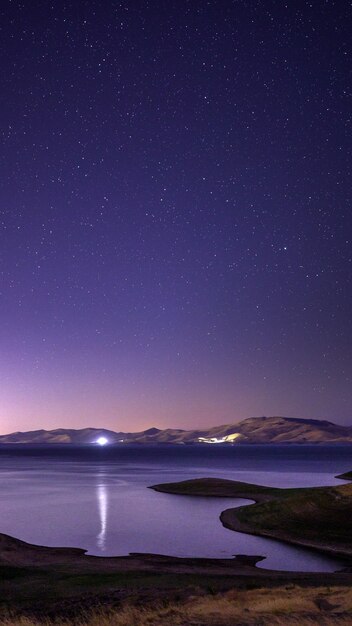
(175, 197)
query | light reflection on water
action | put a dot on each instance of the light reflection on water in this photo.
(102, 499)
(99, 500)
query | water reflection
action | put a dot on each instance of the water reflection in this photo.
(111, 511)
(102, 499)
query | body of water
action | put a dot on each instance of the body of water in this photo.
(97, 498)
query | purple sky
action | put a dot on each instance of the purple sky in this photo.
(175, 213)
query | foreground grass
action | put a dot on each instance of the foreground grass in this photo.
(285, 605)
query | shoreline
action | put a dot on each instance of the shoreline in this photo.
(52, 581)
(229, 520)
(15, 553)
(18, 553)
(262, 495)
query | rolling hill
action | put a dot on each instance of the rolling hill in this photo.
(252, 430)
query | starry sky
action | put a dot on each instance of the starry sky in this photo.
(175, 212)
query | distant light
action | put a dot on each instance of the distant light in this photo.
(102, 441)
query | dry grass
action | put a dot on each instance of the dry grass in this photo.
(277, 607)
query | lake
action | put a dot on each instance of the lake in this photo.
(97, 497)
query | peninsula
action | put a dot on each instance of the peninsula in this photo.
(315, 517)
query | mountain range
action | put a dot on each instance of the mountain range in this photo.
(251, 430)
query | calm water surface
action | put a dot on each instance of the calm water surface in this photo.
(97, 498)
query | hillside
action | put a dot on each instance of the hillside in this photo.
(251, 430)
(303, 516)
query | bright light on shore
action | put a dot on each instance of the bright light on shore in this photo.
(102, 441)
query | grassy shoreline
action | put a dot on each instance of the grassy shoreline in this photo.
(306, 517)
(42, 586)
